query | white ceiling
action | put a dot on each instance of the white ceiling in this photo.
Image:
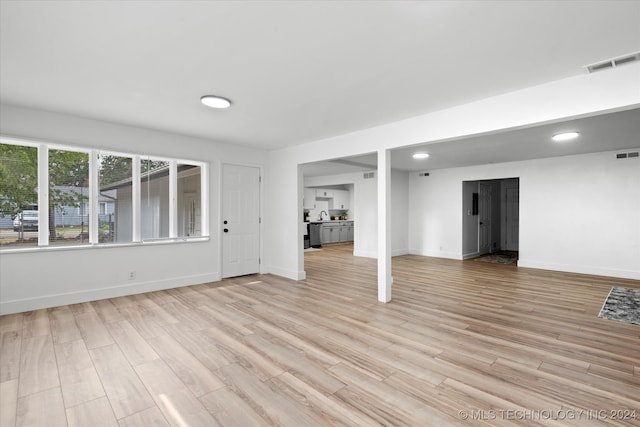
(605, 132)
(296, 71)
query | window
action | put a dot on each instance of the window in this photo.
(154, 189)
(94, 197)
(68, 219)
(115, 198)
(18, 196)
(189, 201)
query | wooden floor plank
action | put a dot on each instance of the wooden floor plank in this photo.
(63, 325)
(43, 408)
(95, 412)
(93, 330)
(8, 402)
(10, 343)
(264, 350)
(78, 377)
(126, 393)
(178, 405)
(196, 376)
(38, 370)
(148, 417)
(229, 409)
(36, 324)
(134, 347)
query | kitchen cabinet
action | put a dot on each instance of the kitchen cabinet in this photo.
(323, 193)
(330, 233)
(340, 200)
(309, 198)
(337, 232)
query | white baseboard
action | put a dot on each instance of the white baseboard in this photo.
(400, 252)
(289, 274)
(55, 300)
(374, 254)
(436, 254)
(581, 269)
(365, 254)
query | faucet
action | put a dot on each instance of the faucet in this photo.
(323, 212)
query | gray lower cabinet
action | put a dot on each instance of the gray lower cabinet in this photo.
(330, 234)
(337, 232)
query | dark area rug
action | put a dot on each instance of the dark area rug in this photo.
(623, 305)
(504, 257)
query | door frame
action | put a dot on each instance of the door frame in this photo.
(220, 226)
(470, 227)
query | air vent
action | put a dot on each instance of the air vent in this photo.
(633, 154)
(612, 63)
(423, 174)
(369, 175)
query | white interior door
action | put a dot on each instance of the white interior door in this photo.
(512, 218)
(240, 220)
(484, 219)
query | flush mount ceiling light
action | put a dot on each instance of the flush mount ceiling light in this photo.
(565, 136)
(420, 155)
(215, 101)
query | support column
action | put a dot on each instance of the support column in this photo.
(384, 226)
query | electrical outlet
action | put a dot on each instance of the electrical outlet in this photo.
(132, 275)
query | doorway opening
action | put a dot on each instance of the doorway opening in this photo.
(490, 217)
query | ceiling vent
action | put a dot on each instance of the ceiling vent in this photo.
(612, 63)
(369, 175)
(631, 155)
(423, 174)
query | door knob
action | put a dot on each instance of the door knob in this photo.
(226, 230)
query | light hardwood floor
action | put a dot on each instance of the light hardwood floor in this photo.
(498, 344)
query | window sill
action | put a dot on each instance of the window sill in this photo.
(177, 240)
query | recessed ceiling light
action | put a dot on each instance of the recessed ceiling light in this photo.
(566, 136)
(214, 101)
(420, 155)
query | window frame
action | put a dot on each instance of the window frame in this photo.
(94, 191)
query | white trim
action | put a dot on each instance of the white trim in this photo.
(43, 195)
(580, 269)
(94, 190)
(204, 199)
(136, 203)
(289, 274)
(24, 249)
(55, 300)
(173, 199)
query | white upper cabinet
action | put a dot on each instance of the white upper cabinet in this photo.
(323, 193)
(309, 200)
(340, 200)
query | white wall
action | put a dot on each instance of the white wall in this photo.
(577, 213)
(49, 277)
(399, 213)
